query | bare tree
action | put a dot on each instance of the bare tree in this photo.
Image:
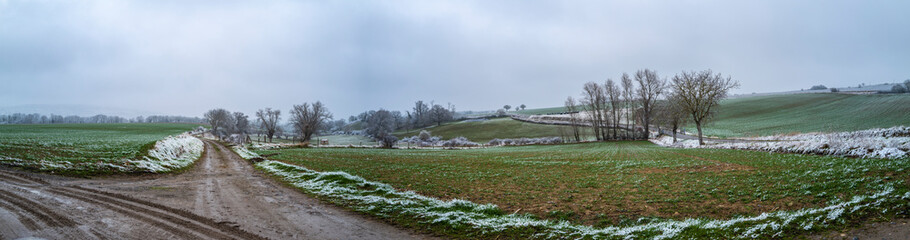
(592, 98)
(522, 106)
(650, 87)
(507, 107)
(241, 123)
(572, 108)
(241, 127)
(269, 120)
(307, 118)
(219, 119)
(674, 114)
(421, 114)
(627, 96)
(700, 93)
(380, 126)
(440, 114)
(613, 94)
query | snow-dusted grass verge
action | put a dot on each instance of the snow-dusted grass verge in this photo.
(383, 200)
(244, 153)
(890, 143)
(264, 146)
(171, 153)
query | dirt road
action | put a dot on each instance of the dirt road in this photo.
(222, 197)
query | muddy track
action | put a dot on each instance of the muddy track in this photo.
(36, 216)
(222, 197)
(178, 222)
(41, 213)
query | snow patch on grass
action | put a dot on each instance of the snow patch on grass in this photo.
(171, 153)
(890, 143)
(383, 200)
(244, 153)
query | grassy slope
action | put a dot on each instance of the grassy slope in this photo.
(83, 142)
(781, 114)
(542, 110)
(608, 183)
(484, 131)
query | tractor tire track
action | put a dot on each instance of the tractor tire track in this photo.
(44, 214)
(221, 197)
(38, 216)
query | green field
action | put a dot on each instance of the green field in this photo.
(604, 184)
(83, 143)
(801, 113)
(484, 131)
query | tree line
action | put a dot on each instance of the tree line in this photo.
(34, 118)
(379, 124)
(628, 109)
(305, 119)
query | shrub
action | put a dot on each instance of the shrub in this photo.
(424, 135)
(435, 141)
(525, 141)
(389, 141)
(459, 142)
(898, 89)
(818, 87)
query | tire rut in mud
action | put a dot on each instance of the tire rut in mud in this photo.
(20, 178)
(180, 223)
(42, 213)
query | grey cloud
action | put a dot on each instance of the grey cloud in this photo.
(184, 57)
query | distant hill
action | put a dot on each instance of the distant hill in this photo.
(884, 87)
(542, 111)
(769, 114)
(823, 112)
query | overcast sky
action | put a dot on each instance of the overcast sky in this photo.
(184, 57)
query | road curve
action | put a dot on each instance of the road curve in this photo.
(221, 197)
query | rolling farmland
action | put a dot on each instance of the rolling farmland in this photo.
(801, 113)
(613, 184)
(54, 146)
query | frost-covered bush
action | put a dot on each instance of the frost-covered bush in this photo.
(873, 143)
(199, 130)
(525, 141)
(388, 141)
(424, 140)
(424, 135)
(460, 142)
